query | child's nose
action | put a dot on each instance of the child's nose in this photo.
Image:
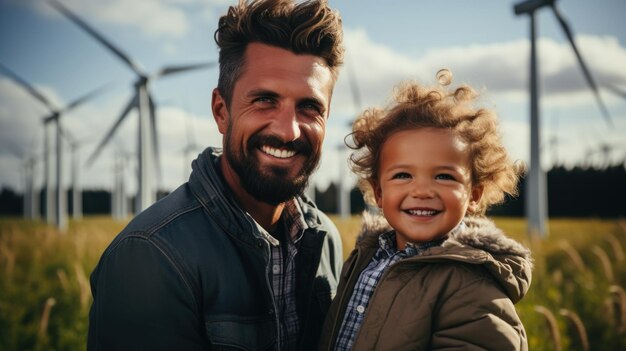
(422, 190)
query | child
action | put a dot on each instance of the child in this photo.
(442, 277)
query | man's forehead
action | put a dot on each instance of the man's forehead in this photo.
(276, 69)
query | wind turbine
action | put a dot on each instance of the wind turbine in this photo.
(148, 152)
(29, 199)
(190, 146)
(536, 195)
(343, 191)
(77, 196)
(55, 210)
(119, 200)
(553, 142)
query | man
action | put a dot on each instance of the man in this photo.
(238, 258)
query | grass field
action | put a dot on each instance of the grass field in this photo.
(576, 302)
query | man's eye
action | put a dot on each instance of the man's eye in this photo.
(401, 175)
(264, 100)
(310, 108)
(445, 176)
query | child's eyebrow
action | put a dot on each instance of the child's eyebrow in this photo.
(454, 168)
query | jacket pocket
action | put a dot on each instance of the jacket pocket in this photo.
(257, 334)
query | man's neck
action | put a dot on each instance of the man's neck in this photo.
(264, 214)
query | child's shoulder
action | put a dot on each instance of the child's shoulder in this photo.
(483, 234)
(372, 226)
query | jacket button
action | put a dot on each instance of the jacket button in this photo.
(259, 243)
(271, 312)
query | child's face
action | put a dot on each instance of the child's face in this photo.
(424, 186)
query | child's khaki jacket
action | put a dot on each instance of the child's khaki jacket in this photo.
(458, 296)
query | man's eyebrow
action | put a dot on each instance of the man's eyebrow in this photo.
(312, 100)
(261, 92)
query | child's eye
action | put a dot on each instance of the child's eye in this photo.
(401, 175)
(445, 176)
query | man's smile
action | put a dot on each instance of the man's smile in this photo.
(278, 153)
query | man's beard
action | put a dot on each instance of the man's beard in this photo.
(270, 184)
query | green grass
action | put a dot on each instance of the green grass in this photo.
(43, 272)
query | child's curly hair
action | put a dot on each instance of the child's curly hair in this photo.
(415, 106)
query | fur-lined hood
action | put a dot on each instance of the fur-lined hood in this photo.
(479, 241)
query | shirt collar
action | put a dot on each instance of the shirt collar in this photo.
(387, 242)
(293, 221)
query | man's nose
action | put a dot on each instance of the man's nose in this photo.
(285, 125)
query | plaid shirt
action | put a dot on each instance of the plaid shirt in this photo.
(385, 256)
(282, 273)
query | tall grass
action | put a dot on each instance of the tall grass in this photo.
(45, 294)
(44, 287)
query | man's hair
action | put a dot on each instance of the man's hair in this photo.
(415, 107)
(309, 27)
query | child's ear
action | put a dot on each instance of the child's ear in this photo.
(477, 193)
(378, 193)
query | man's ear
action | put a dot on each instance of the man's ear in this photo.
(477, 193)
(220, 111)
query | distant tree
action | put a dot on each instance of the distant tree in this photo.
(10, 202)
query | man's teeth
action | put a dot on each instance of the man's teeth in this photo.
(279, 153)
(423, 212)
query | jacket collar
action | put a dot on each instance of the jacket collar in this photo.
(479, 241)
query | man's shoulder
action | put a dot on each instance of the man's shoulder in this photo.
(166, 224)
(166, 211)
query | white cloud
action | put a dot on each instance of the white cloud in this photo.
(499, 67)
(152, 17)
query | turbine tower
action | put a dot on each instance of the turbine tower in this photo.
(148, 151)
(536, 193)
(77, 195)
(119, 201)
(190, 147)
(29, 199)
(56, 211)
(343, 189)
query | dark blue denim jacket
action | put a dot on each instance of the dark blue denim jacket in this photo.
(190, 273)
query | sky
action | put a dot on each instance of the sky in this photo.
(483, 43)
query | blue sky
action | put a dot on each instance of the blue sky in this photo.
(483, 43)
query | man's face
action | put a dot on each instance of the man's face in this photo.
(275, 125)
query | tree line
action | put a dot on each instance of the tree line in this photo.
(572, 192)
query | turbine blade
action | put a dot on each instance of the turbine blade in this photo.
(583, 66)
(614, 89)
(179, 69)
(51, 117)
(74, 18)
(27, 86)
(90, 95)
(132, 103)
(155, 140)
